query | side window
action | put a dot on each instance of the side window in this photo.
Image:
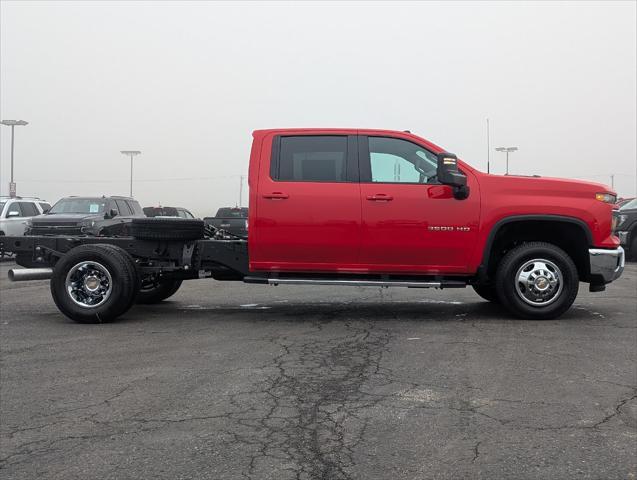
(393, 160)
(311, 159)
(29, 209)
(188, 214)
(122, 206)
(136, 208)
(14, 208)
(181, 213)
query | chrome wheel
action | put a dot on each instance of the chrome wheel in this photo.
(89, 284)
(539, 282)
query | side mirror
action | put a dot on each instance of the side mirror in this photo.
(45, 210)
(448, 174)
(13, 213)
(112, 213)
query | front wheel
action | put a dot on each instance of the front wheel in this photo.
(537, 280)
(486, 291)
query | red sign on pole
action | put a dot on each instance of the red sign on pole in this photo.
(12, 190)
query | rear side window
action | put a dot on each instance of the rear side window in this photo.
(123, 208)
(28, 209)
(135, 207)
(310, 159)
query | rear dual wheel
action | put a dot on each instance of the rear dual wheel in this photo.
(155, 291)
(94, 283)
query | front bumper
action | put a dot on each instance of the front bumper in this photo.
(606, 265)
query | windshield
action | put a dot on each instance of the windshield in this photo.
(80, 205)
(629, 206)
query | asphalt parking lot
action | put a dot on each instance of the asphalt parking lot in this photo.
(232, 381)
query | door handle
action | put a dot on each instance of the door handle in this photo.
(380, 197)
(276, 196)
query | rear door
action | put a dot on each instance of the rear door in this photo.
(308, 213)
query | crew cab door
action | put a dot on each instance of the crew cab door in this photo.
(410, 222)
(308, 214)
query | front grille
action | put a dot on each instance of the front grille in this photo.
(72, 229)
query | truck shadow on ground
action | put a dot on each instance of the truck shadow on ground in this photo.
(419, 311)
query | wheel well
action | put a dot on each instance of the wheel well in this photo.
(570, 237)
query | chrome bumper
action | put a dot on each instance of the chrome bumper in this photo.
(609, 264)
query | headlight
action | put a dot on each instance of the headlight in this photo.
(606, 197)
(86, 224)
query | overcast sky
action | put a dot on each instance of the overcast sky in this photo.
(187, 84)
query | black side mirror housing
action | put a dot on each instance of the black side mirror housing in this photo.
(448, 174)
(112, 213)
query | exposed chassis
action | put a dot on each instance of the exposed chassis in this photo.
(214, 258)
(219, 259)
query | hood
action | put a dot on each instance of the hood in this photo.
(550, 185)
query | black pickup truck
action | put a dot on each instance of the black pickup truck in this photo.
(233, 220)
(99, 216)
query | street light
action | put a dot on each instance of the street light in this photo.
(13, 124)
(131, 154)
(507, 150)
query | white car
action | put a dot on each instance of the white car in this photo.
(14, 213)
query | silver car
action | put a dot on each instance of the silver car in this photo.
(14, 213)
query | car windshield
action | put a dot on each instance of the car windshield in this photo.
(232, 213)
(80, 205)
(629, 206)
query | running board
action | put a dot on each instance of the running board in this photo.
(356, 283)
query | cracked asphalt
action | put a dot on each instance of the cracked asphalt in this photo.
(234, 381)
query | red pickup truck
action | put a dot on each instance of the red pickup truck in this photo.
(354, 207)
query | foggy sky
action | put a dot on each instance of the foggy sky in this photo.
(187, 84)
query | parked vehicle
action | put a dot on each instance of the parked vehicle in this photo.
(232, 220)
(622, 201)
(14, 213)
(355, 207)
(626, 228)
(86, 216)
(167, 212)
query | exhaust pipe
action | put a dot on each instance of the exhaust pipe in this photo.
(24, 274)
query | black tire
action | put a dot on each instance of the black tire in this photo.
(108, 261)
(632, 249)
(134, 271)
(162, 228)
(486, 291)
(163, 289)
(552, 263)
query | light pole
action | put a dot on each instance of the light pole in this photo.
(12, 124)
(507, 150)
(131, 154)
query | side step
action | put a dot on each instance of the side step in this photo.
(356, 282)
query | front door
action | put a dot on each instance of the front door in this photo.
(308, 204)
(410, 222)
